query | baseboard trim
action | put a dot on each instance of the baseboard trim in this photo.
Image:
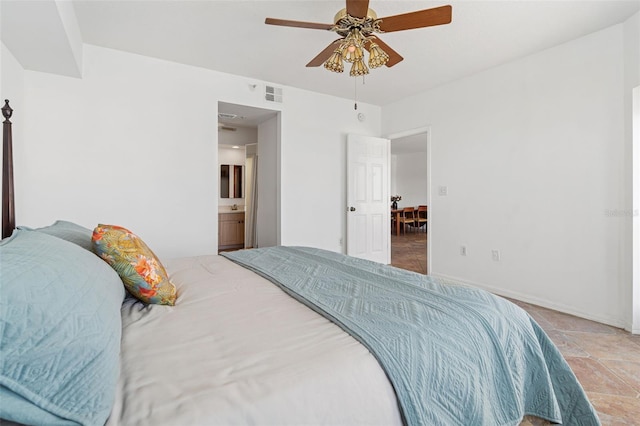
(614, 322)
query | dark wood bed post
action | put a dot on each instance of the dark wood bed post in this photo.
(8, 208)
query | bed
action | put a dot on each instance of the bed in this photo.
(269, 336)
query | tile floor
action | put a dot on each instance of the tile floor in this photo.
(605, 359)
(409, 251)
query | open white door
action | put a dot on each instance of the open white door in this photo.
(368, 205)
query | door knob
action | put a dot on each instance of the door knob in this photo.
(352, 209)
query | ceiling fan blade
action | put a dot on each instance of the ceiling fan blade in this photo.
(357, 8)
(394, 57)
(298, 24)
(324, 55)
(419, 19)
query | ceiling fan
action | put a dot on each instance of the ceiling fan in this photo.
(356, 24)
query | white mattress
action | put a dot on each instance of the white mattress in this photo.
(237, 350)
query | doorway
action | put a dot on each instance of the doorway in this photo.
(410, 181)
(248, 198)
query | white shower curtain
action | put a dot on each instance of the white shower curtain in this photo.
(251, 201)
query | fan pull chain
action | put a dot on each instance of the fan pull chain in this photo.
(355, 91)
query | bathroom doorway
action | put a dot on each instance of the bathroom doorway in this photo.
(248, 177)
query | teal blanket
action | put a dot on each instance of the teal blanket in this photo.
(455, 355)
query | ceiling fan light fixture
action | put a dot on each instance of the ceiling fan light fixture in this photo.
(358, 68)
(377, 56)
(352, 53)
(334, 63)
(351, 50)
(353, 42)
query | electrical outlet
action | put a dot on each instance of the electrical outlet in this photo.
(495, 255)
(463, 250)
(443, 191)
(340, 241)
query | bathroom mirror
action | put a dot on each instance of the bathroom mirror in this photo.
(231, 185)
(237, 182)
(224, 181)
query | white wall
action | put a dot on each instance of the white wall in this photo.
(532, 153)
(314, 168)
(12, 88)
(241, 136)
(134, 142)
(409, 178)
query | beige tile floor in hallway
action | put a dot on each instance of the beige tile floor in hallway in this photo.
(605, 359)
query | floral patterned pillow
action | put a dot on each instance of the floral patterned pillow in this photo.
(140, 270)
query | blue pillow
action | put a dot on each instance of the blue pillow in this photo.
(60, 330)
(69, 231)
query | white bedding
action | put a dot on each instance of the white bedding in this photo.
(237, 350)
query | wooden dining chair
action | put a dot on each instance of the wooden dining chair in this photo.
(408, 217)
(422, 217)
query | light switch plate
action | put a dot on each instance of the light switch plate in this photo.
(495, 255)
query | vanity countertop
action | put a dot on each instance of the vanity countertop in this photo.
(227, 210)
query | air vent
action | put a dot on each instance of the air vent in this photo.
(226, 116)
(273, 94)
(227, 128)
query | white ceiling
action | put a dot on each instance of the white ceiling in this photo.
(230, 36)
(245, 116)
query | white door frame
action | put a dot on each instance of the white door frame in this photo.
(413, 132)
(635, 218)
